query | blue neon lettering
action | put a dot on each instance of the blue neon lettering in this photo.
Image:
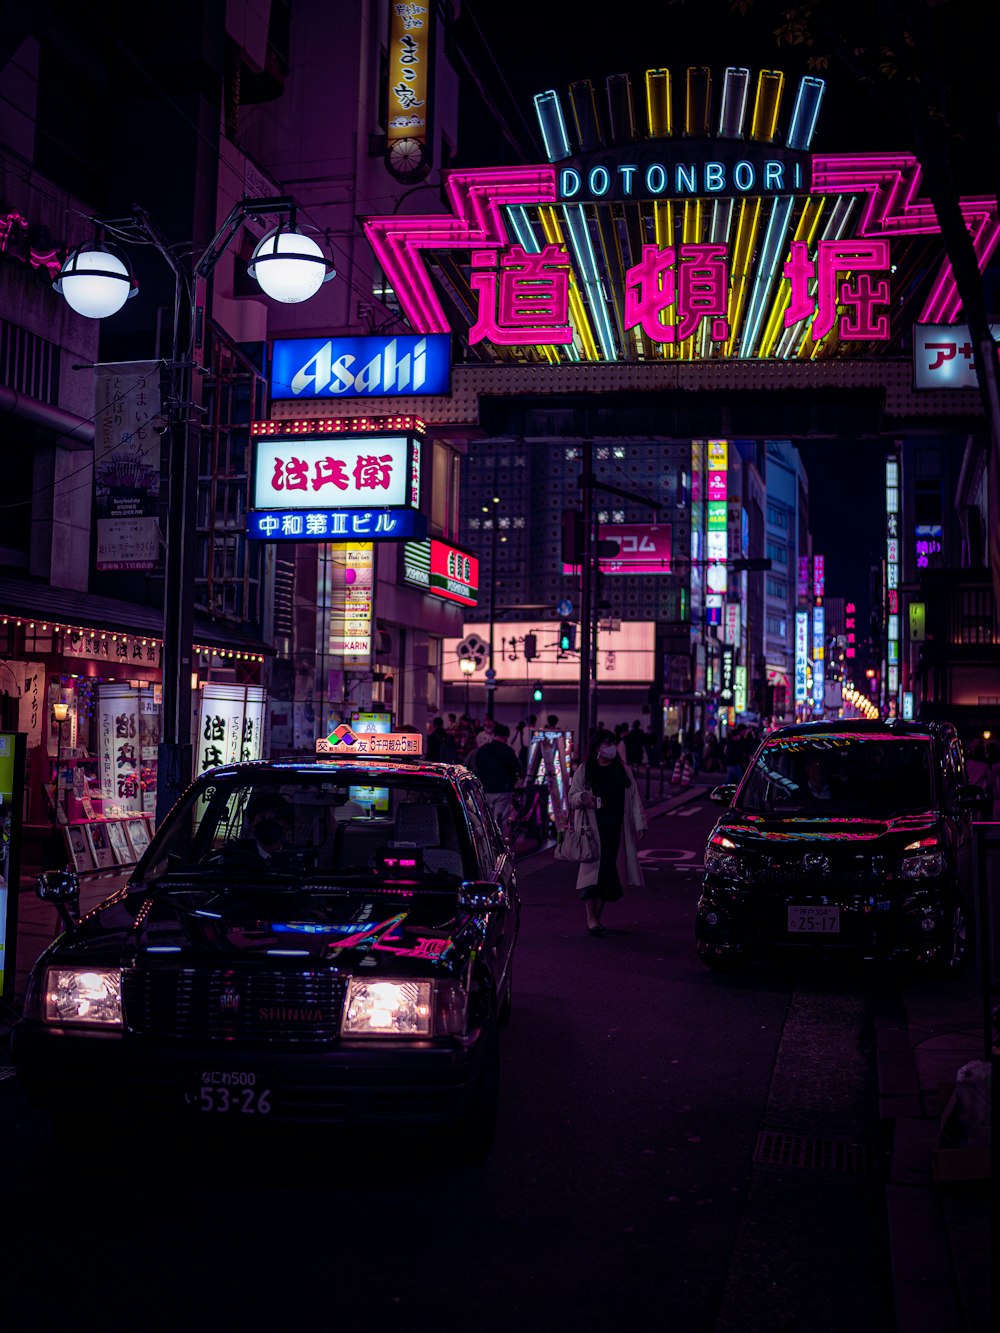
(569, 182)
(599, 181)
(687, 178)
(627, 174)
(715, 177)
(798, 175)
(743, 175)
(774, 175)
(658, 174)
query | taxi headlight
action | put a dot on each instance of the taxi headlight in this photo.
(928, 866)
(404, 1008)
(84, 995)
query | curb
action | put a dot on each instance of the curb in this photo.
(924, 1288)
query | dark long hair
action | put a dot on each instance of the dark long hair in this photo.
(590, 764)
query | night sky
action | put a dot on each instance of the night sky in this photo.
(520, 49)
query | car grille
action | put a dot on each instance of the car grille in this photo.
(853, 872)
(227, 1005)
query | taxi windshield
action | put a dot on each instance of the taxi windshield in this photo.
(345, 826)
(872, 775)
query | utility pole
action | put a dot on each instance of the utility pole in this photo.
(587, 654)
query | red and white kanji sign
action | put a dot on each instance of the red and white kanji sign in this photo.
(523, 298)
(332, 474)
(693, 279)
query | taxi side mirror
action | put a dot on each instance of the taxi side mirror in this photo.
(59, 887)
(479, 896)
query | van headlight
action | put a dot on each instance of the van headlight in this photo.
(84, 995)
(403, 1009)
(928, 866)
(718, 862)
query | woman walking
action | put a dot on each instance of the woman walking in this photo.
(607, 793)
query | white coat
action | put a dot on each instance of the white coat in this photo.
(634, 822)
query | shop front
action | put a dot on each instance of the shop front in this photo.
(88, 698)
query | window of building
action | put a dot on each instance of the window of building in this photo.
(777, 516)
(777, 588)
(777, 553)
(445, 479)
(776, 626)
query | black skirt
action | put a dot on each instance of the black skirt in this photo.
(609, 885)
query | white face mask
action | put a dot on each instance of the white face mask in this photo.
(607, 751)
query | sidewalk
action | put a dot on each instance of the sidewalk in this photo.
(939, 1230)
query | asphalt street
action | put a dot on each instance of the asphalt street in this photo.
(677, 1150)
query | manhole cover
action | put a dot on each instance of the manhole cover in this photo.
(798, 1152)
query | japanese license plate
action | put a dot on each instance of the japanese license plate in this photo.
(813, 920)
(229, 1092)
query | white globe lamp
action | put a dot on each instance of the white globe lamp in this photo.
(95, 282)
(289, 266)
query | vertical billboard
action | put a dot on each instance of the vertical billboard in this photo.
(801, 656)
(716, 529)
(697, 519)
(351, 603)
(128, 422)
(892, 578)
(11, 800)
(818, 656)
(407, 105)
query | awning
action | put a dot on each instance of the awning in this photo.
(68, 607)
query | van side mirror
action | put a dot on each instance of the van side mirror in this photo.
(723, 795)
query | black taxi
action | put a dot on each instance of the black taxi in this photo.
(852, 836)
(324, 942)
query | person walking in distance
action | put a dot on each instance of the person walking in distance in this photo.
(496, 766)
(606, 792)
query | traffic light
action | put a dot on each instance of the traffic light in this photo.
(536, 695)
(567, 636)
(530, 647)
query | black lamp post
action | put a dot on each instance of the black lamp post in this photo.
(96, 281)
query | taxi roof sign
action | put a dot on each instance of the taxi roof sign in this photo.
(384, 744)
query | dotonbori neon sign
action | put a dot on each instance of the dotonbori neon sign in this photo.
(732, 245)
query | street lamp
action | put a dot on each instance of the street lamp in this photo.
(467, 666)
(60, 714)
(96, 281)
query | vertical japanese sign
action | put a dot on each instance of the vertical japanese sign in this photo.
(803, 579)
(31, 703)
(850, 629)
(819, 657)
(892, 578)
(127, 425)
(740, 690)
(697, 517)
(731, 624)
(351, 602)
(717, 534)
(409, 60)
(819, 577)
(230, 724)
(801, 656)
(119, 756)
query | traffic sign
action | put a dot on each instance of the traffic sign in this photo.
(564, 608)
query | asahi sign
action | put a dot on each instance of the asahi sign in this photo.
(361, 367)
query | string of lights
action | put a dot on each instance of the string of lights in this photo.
(106, 636)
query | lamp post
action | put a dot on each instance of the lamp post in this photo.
(60, 714)
(492, 508)
(467, 666)
(96, 281)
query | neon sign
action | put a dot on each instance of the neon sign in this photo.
(360, 367)
(800, 242)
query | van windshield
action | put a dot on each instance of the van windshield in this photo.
(873, 775)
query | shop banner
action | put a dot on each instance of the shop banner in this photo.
(230, 724)
(127, 425)
(119, 755)
(121, 648)
(30, 717)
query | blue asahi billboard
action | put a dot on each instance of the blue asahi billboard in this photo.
(374, 367)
